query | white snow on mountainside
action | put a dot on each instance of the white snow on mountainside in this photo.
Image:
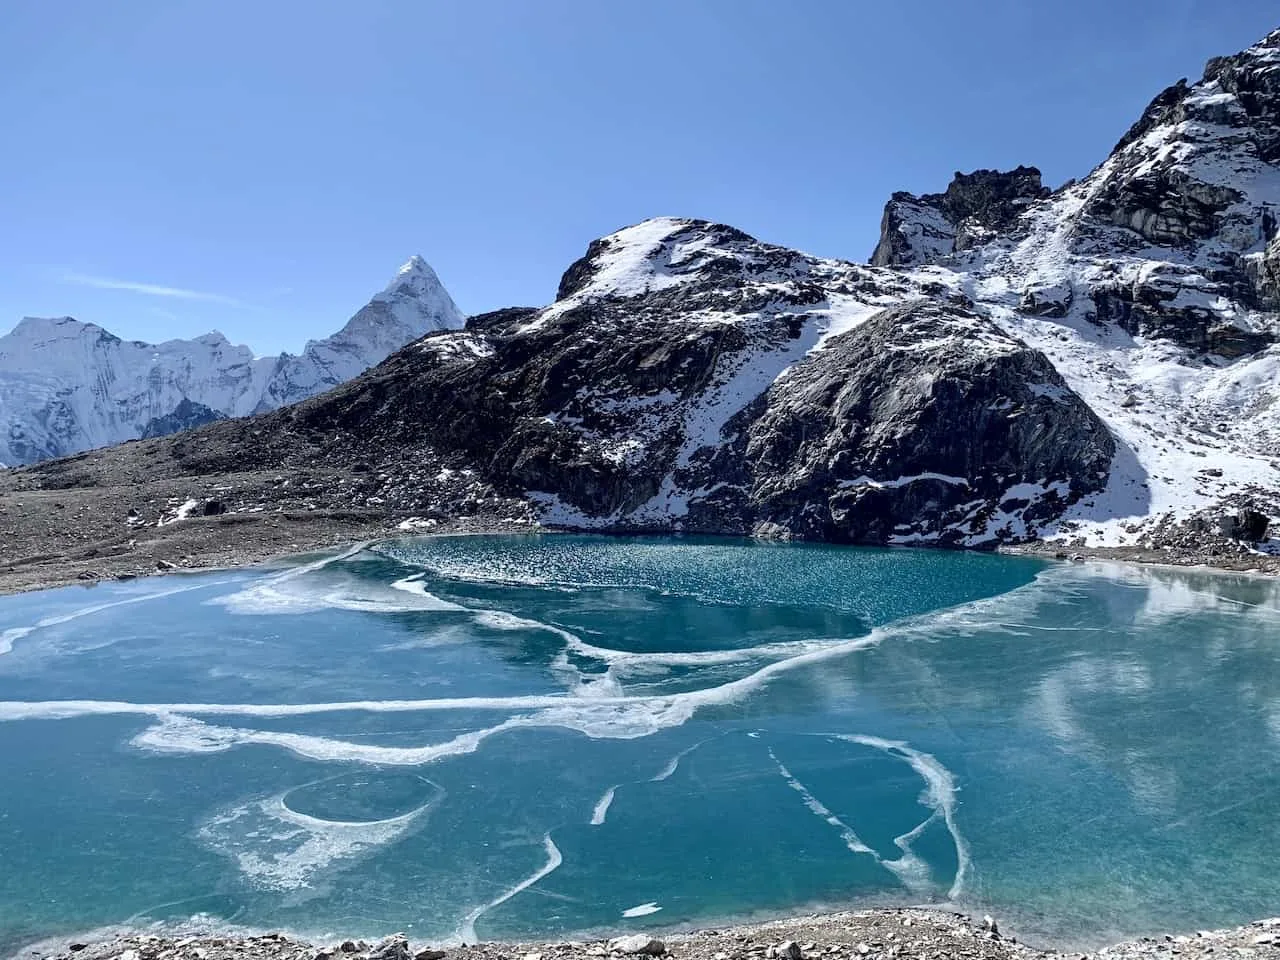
(67, 386)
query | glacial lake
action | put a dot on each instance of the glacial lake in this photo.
(540, 736)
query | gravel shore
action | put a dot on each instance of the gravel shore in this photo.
(883, 934)
(60, 537)
(83, 535)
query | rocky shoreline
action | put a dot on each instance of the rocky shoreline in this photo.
(880, 934)
(41, 556)
(58, 538)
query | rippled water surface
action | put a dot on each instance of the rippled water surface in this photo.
(534, 736)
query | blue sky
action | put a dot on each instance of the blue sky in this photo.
(263, 167)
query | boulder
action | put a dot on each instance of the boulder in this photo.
(1245, 524)
(638, 944)
(393, 947)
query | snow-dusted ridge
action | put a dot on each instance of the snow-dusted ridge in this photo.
(67, 386)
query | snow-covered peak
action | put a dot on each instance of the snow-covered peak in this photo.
(1268, 48)
(414, 303)
(653, 255)
(415, 280)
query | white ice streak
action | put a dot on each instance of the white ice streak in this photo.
(467, 929)
(641, 910)
(847, 833)
(602, 807)
(285, 593)
(674, 763)
(184, 735)
(939, 795)
(622, 659)
(10, 636)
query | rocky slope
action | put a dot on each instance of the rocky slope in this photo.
(67, 386)
(1096, 366)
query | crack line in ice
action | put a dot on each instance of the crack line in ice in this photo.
(8, 637)
(847, 833)
(467, 929)
(674, 763)
(939, 794)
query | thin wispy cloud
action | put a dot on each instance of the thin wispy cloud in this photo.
(150, 289)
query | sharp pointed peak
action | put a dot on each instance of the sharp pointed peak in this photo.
(414, 278)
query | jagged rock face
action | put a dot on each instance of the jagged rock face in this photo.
(975, 207)
(1187, 174)
(67, 386)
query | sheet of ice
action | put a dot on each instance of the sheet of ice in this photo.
(641, 910)
(13, 634)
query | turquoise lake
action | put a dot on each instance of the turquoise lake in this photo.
(539, 736)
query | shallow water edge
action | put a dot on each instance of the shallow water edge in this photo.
(190, 546)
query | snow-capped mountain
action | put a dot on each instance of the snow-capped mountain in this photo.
(67, 386)
(1099, 364)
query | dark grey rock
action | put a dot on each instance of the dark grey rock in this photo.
(975, 206)
(187, 415)
(1245, 524)
(394, 947)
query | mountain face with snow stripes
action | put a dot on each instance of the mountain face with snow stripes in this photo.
(67, 386)
(1097, 364)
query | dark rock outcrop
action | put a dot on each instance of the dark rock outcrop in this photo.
(1176, 177)
(974, 207)
(879, 439)
(1245, 524)
(1175, 303)
(187, 415)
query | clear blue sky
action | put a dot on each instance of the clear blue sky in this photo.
(269, 164)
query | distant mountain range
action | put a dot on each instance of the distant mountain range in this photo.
(67, 386)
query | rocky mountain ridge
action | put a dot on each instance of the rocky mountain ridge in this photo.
(1095, 365)
(67, 386)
